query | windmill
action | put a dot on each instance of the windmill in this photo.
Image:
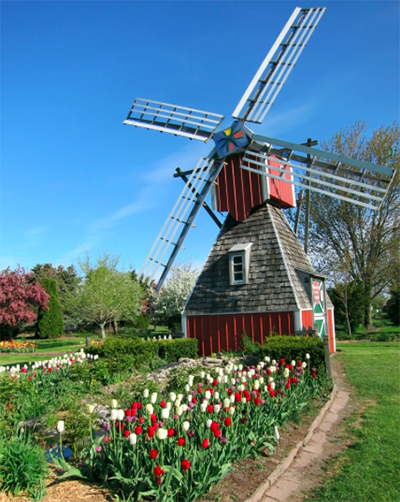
(267, 168)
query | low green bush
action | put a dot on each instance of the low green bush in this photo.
(294, 348)
(173, 350)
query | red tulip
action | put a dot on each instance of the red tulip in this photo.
(128, 413)
(171, 432)
(294, 380)
(314, 375)
(272, 393)
(282, 361)
(153, 417)
(238, 397)
(194, 400)
(153, 454)
(185, 465)
(158, 472)
(134, 406)
(215, 383)
(288, 385)
(126, 433)
(138, 430)
(199, 390)
(217, 433)
(150, 431)
(181, 441)
(214, 426)
(163, 404)
(210, 408)
(205, 443)
(139, 405)
(257, 401)
(228, 421)
(141, 420)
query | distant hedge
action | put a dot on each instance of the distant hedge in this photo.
(139, 352)
(294, 348)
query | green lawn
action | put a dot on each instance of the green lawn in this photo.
(369, 469)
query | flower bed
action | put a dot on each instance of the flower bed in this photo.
(17, 347)
(177, 447)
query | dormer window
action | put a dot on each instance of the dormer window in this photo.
(239, 264)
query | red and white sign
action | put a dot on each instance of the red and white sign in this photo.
(316, 292)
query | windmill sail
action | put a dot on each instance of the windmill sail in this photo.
(352, 180)
(170, 240)
(276, 67)
(174, 119)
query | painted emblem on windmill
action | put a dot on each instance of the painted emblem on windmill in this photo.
(316, 290)
(231, 139)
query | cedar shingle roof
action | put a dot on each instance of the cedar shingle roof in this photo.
(273, 282)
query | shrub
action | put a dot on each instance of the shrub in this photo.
(294, 348)
(50, 323)
(393, 306)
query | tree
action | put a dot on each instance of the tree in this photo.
(348, 300)
(19, 298)
(392, 307)
(107, 295)
(50, 323)
(370, 236)
(168, 304)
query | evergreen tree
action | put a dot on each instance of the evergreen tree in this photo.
(50, 323)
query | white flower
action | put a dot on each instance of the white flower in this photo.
(227, 402)
(162, 434)
(168, 405)
(307, 356)
(177, 402)
(202, 374)
(203, 406)
(231, 411)
(132, 439)
(114, 403)
(185, 426)
(272, 384)
(273, 361)
(207, 394)
(286, 372)
(240, 388)
(261, 379)
(172, 396)
(60, 426)
(232, 398)
(149, 408)
(121, 415)
(244, 400)
(293, 363)
(90, 408)
(179, 410)
(164, 413)
(233, 381)
(270, 379)
(187, 388)
(217, 408)
(208, 423)
(216, 395)
(153, 398)
(256, 385)
(243, 379)
(225, 379)
(114, 414)
(190, 398)
(304, 365)
(267, 359)
(146, 393)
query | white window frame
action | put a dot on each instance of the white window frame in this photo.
(241, 251)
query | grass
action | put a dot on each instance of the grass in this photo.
(369, 469)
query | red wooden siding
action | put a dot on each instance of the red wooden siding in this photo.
(280, 192)
(222, 332)
(238, 190)
(307, 319)
(331, 331)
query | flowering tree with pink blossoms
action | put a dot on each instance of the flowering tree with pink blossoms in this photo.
(19, 298)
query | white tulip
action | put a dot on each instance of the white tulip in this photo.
(286, 372)
(216, 395)
(227, 402)
(153, 398)
(231, 411)
(261, 380)
(185, 426)
(179, 410)
(293, 363)
(208, 394)
(307, 356)
(217, 408)
(168, 405)
(114, 403)
(225, 379)
(232, 398)
(187, 388)
(202, 374)
(272, 384)
(164, 413)
(60, 426)
(244, 400)
(190, 398)
(90, 408)
(162, 434)
(256, 385)
(184, 407)
(270, 379)
(146, 393)
(267, 359)
(304, 365)
(149, 408)
(203, 406)
(121, 415)
(208, 423)
(172, 396)
(114, 414)
(132, 439)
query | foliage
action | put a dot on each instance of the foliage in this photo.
(294, 348)
(348, 300)
(168, 304)
(50, 323)
(107, 295)
(392, 307)
(370, 237)
(19, 298)
(23, 466)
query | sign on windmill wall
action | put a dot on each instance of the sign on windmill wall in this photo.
(319, 307)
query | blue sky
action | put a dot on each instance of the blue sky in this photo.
(75, 179)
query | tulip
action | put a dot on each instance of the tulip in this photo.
(304, 365)
(203, 407)
(149, 408)
(60, 426)
(90, 408)
(184, 407)
(208, 394)
(267, 359)
(208, 423)
(179, 410)
(153, 454)
(114, 403)
(217, 408)
(307, 356)
(172, 396)
(185, 465)
(165, 413)
(146, 393)
(185, 426)
(168, 406)
(162, 434)
(120, 415)
(205, 443)
(114, 414)
(256, 385)
(153, 398)
(231, 411)
(132, 439)
(216, 395)
(181, 441)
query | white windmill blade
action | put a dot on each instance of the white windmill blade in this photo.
(277, 65)
(352, 180)
(174, 119)
(169, 242)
